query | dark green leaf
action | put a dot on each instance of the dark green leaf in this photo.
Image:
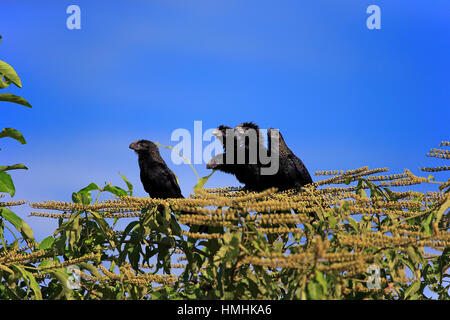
(7, 71)
(12, 133)
(129, 185)
(415, 286)
(90, 187)
(34, 285)
(14, 99)
(6, 184)
(46, 243)
(315, 290)
(18, 223)
(201, 182)
(13, 167)
(116, 191)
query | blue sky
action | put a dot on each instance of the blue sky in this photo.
(342, 95)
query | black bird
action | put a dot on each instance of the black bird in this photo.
(292, 173)
(247, 170)
(156, 177)
(251, 174)
(219, 162)
(222, 133)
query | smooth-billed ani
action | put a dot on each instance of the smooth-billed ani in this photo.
(245, 164)
(292, 173)
(156, 177)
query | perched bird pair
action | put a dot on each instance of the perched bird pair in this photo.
(291, 172)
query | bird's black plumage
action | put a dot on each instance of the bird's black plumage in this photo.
(156, 177)
(292, 172)
(224, 133)
(226, 136)
(251, 140)
(248, 169)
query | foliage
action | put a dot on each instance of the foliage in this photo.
(357, 240)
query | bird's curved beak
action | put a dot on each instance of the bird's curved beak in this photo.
(133, 146)
(239, 129)
(211, 165)
(216, 161)
(216, 132)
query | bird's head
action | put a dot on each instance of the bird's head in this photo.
(143, 146)
(248, 133)
(222, 131)
(243, 128)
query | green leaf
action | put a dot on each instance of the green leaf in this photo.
(440, 213)
(362, 193)
(84, 195)
(321, 280)
(7, 71)
(30, 281)
(6, 269)
(129, 185)
(47, 264)
(46, 243)
(92, 186)
(6, 184)
(34, 285)
(315, 290)
(66, 225)
(26, 231)
(63, 279)
(18, 223)
(201, 182)
(13, 167)
(426, 224)
(14, 99)
(415, 286)
(332, 221)
(116, 191)
(174, 226)
(83, 198)
(353, 222)
(11, 217)
(92, 269)
(13, 133)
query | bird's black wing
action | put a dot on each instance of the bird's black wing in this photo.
(169, 184)
(300, 172)
(159, 181)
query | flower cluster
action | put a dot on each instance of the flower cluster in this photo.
(12, 203)
(15, 256)
(435, 169)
